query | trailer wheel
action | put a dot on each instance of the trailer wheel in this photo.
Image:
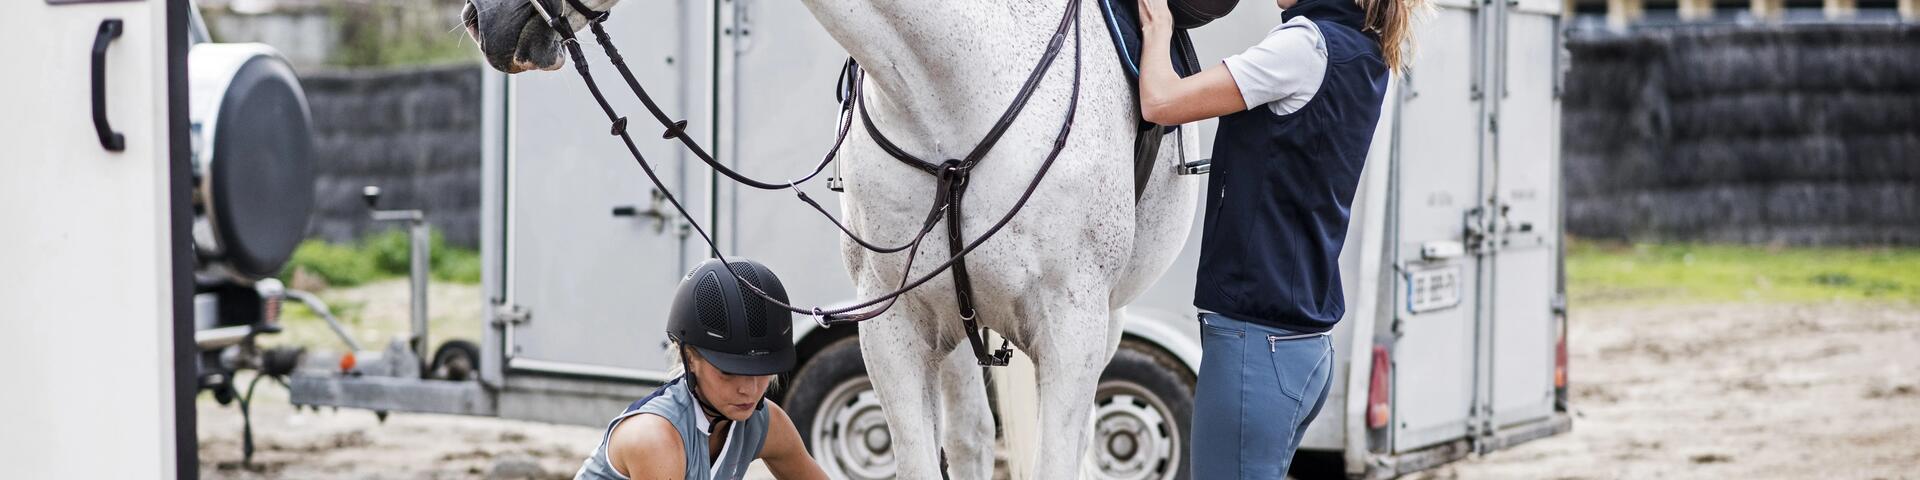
(833, 405)
(1141, 412)
(455, 360)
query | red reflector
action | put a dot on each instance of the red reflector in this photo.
(1379, 411)
(1560, 360)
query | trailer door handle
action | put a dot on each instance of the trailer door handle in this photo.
(112, 140)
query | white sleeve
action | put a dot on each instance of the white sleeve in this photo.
(1284, 70)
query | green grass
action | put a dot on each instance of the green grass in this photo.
(1600, 273)
(381, 256)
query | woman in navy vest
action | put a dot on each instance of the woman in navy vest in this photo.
(1297, 112)
(713, 420)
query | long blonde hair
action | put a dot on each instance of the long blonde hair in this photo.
(1393, 21)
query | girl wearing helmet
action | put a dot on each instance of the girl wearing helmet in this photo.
(713, 419)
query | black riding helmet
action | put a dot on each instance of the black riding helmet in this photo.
(738, 332)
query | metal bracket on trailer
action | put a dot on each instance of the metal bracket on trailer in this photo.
(509, 315)
(506, 316)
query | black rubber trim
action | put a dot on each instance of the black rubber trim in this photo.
(186, 439)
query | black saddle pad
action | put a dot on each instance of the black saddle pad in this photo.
(1123, 24)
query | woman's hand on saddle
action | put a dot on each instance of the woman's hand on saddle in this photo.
(1156, 21)
(1167, 99)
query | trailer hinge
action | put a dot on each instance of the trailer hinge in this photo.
(505, 315)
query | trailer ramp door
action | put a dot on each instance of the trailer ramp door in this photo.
(1524, 227)
(592, 254)
(1438, 177)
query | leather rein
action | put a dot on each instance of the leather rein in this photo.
(951, 176)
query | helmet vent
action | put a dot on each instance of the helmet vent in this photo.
(756, 306)
(711, 304)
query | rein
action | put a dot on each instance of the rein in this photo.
(951, 176)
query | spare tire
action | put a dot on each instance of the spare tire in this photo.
(254, 167)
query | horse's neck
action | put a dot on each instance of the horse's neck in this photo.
(939, 72)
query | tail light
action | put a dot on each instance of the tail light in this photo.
(1560, 359)
(1379, 410)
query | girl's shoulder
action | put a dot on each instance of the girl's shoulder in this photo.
(647, 442)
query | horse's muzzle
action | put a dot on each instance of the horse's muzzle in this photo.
(511, 36)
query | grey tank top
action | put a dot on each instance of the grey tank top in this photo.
(675, 403)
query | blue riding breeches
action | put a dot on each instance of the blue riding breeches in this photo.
(1258, 390)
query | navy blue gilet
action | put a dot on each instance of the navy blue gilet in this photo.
(1281, 186)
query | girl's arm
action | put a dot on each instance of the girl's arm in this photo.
(785, 455)
(1167, 99)
(639, 449)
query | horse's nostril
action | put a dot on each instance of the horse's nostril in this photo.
(470, 16)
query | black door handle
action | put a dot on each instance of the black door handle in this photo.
(112, 140)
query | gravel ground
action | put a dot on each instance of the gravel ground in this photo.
(1668, 391)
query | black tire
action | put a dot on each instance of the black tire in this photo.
(1142, 383)
(838, 370)
(834, 363)
(1318, 465)
(456, 360)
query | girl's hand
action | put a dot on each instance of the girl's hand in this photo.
(1155, 19)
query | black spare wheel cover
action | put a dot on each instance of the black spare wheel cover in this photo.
(262, 168)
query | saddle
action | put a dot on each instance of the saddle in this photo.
(1123, 25)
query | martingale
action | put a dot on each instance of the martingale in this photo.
(951, 175)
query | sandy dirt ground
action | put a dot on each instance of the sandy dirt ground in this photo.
(1745, 391)
(1733, 391)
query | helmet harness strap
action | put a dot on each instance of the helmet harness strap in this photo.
(693, 387)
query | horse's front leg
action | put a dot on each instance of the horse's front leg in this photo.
(903, 359)
(967, 433)
(1068, 355)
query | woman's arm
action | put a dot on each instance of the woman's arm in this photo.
(1167, 99)
(786, 456)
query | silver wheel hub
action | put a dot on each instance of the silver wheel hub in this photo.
(1134, 436)
(850, 435)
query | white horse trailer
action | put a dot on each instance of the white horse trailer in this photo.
(99, 350)
(1453, 343)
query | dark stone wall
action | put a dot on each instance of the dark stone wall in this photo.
(1798, 134)
(415, 132)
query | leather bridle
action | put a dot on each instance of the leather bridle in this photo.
(951, 176)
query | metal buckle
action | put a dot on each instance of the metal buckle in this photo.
(820, 319)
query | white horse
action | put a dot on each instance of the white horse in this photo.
(938, 75)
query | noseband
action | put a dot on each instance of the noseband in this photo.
(950, 176)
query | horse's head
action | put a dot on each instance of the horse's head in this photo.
(514, 34)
